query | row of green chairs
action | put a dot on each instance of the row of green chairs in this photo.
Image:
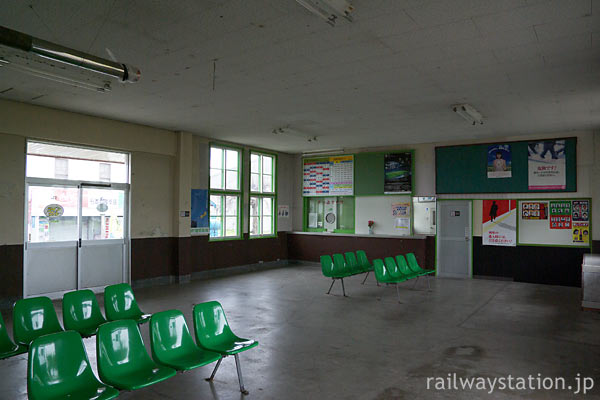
(339, 267)
(36, 316)
(58, 366)
(396, 270)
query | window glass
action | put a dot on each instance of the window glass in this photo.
(254, 182)
(254, 163)
(74, 163)
(267, 163)
(216, 158)
(102, 213)
(52, 214)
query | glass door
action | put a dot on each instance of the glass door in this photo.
(52, 230)
(102, 246)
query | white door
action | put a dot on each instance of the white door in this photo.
(75, 238)
(102, 252)
(52, 233)
(454, 242)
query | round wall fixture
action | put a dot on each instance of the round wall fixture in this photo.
(330, 218)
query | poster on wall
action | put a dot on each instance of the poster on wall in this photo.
(400, 209)
(547, 169)
(581, 232)
(560, 214)
(499, 161)
(199, 211)
(283, 211)
(499, 222)
(581, 210)
(398, 173)
(535, 210)
(328, 176)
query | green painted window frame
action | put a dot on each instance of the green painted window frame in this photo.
(305, 207)
(261, 195)
(239, 193)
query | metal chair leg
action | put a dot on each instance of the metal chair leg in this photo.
(239, 372)
(415, 285)
(332, 282)
(214, 370)
(343, 288)
(398, 293)
(428, 285)
(366, 276)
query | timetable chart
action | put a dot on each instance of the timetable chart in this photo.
(330, 176)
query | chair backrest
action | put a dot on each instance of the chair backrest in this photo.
(32, 318)
(412, 263)
(81, 309)
(120, 303)
(363, 261)
(402, 265)
(351, 260)
(390, 265)
(339, 264)
(170, 337)
(381, 273)
(58, 365)
(120, 350)
(210, 325)
(327, 266)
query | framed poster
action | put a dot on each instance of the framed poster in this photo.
(547, 167)
(398, 173)
(328, 176)
(499, 222)
(499, 161)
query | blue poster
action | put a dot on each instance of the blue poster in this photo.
(499, 160)
(199, 214)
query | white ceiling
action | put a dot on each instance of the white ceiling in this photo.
(388, 78)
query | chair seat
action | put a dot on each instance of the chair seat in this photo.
(142, 377)
(233, 347)
(87, 331)
(143, 318)
(193, 360)
(101, 392)
(12, 350)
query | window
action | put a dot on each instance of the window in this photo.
(333, 214)
(263, 197)
(225, 192)
(53, 161)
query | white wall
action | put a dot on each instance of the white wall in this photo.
(588, 173)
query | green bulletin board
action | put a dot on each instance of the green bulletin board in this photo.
(462, 169)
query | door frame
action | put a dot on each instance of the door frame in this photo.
(48, 182)
(437, 240)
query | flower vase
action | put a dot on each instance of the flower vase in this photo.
(370, 230)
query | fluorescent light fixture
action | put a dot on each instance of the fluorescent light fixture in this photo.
(287, 131)
(322, 152)
(102, 88)
(329, 10)
(469, 113)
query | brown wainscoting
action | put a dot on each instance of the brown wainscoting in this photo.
(310, 247)
(11, 272)
(161, 257)
(207, 255)
(153, 257)
(596, 246)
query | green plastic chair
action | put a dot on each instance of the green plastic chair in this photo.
(352, 264)
(383, 275)
(172, 344)
(364, 263)
(123, 361)
(7, 347)
(33, 318)
(394, 271)
(81, 312)
(414, 265)
(340, 271)
(403, 267)
(58, 368)
(214, 334)
(120, 303)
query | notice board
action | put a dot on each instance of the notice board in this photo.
(328, 176)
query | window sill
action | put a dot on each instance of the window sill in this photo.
(263, 237)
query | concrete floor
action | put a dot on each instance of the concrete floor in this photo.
(367, 346)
